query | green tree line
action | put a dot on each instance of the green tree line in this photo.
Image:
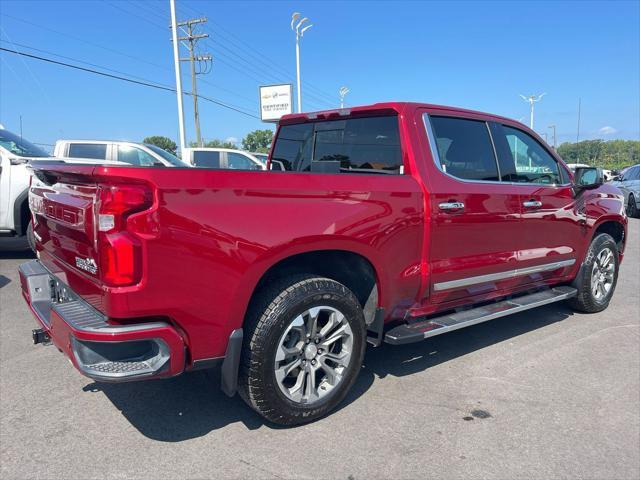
(612, 154)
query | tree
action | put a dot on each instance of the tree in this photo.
(258, 141)
(215, 143)
(162, 142)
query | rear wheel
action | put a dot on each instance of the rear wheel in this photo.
(303, 349)
(632, 207)
(598, 276)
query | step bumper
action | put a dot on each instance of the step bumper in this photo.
(98, 349)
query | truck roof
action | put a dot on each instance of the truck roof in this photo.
(398, 107)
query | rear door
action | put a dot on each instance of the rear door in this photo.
(475, 217)
(552, 226)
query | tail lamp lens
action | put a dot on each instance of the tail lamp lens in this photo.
(120, 249)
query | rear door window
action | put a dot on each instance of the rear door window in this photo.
(465, 148)
(352, 145)
(206, 159)
(96, 151)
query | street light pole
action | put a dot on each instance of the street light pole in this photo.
(176, 61)
(299, 34)
(342, 92)
(531, 99)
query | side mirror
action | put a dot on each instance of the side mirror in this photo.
(588, 177)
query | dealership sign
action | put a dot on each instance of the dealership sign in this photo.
(275, 101)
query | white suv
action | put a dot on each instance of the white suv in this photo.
(106, 151)
(15, 219)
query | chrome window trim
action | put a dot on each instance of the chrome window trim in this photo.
(491, 277)
(426, 118)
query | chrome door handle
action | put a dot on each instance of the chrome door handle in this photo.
(532, 204)
(451, 206)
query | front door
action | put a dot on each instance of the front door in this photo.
(552, 231)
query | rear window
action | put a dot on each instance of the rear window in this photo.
(206, 159)
(357, 145)
(88, 150)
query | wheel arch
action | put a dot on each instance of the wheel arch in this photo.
(353, 269)
(614, 227)
(21, 213)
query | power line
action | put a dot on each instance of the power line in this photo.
(130, 80)
(259, 56)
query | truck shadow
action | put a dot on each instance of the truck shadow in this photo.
(192, 405)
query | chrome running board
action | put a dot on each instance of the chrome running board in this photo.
(421, 329)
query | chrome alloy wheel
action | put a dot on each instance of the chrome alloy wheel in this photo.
(602, 275)
(313, 354)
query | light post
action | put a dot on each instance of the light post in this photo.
(531, 99)
(299, 34)
(554, 135)
(342, 92)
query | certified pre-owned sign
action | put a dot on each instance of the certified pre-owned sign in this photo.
(275, 101)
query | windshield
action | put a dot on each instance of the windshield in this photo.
(263, 157)
(172, 159)
(19, 146)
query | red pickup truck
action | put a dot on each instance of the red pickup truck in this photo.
(390, 223)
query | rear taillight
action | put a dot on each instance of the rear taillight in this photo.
(120, 249)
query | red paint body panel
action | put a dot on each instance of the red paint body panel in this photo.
(212, 234)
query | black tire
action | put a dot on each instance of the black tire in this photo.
(585, 300)
(31, 239)
(271, 314)
(632, 207)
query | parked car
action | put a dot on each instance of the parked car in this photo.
(225, 158)
(117, 152)
(15, 154)
(629, 184)
(393, 223)
(607, 174)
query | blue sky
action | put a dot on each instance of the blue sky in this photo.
(478, 55)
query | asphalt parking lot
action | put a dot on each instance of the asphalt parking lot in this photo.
(543, 394)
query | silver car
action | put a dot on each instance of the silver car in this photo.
(629, 183)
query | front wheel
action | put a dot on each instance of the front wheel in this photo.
(598, 276)
(304, 341)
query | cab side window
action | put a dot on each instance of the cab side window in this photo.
(206, 159)
(96, 151)
(135, 156)
(237, 161)
(464, 148)
(533, 164)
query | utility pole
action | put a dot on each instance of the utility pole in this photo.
(176, 62)
(20, 127)
(190, 39)
(579, 107)
(554, 135)
(531, 99)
